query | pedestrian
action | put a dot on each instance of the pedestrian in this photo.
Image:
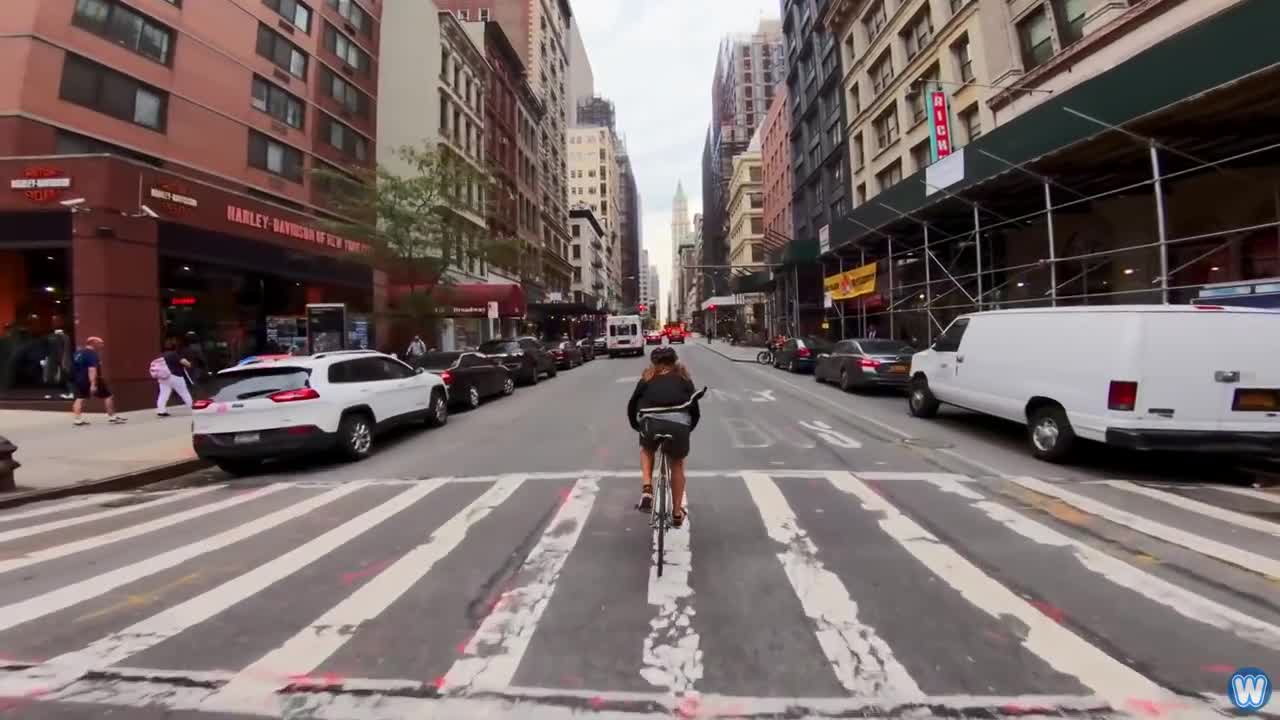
(170, 373)
(86, 368)
(417, 349)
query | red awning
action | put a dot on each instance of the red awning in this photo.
(472, 299)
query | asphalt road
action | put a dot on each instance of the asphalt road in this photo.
(840, 560)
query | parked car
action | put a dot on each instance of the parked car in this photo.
(799, 354)
(600, 346)
(566, 354)
(864, 363)
(336, 400)
(1147, 377)
(653, 337)
(588, 349)
(470, 377)
(526, 358)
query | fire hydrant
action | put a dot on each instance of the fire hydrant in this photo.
(7, 464)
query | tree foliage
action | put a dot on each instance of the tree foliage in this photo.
(415, 213)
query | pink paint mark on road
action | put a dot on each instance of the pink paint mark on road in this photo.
(1050, 611)
(689, 707)
(438, 683)
(350, 578)
(1219, 669)
(17, 702)
(1150, 708)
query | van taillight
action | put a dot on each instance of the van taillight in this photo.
(201, 404)
(1122, 395)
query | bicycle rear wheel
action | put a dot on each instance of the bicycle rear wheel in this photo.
(662, 505)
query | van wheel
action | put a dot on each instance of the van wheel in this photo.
(1050, 434)
(239, 467)
(920, 400)
(845, 385)
(355, 436)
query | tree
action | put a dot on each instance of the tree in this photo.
(417, 215)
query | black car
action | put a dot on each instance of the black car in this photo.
(588, 348)
(567, 354)
(864, 363)
(470, 376)
(600, 346)
(799, 354)
(525, 357)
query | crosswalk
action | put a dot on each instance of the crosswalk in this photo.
(796, 593)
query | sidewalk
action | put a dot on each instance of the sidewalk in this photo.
(737, 353)
(54, 454)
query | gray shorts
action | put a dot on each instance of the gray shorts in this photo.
(677, 448)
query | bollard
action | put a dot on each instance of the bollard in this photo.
(7, 464)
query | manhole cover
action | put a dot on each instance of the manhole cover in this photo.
(929, 443)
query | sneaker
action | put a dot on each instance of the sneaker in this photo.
(162, 414)
(79, 421)
(116, 419)
(646, 500)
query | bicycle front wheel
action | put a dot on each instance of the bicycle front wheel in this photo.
(764, 357)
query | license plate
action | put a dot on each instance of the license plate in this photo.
(246, 438)
(624, 342)
(898, 369)
(1256, 400)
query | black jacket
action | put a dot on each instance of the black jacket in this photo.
(663, 391)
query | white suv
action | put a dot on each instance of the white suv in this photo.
(296, 405)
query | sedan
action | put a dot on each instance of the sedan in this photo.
(470, 376)
(600, 346)
(865, 363)
(588, 348)
(525, 357)
(567, 354)
(653, 337)
(799, 354)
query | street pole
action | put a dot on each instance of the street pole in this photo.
(1053, 262)
(1160, 223)
(977, 240)
(890, 303)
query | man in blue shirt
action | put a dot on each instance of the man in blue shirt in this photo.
(86, 369)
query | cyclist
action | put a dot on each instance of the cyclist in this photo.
(665, 383)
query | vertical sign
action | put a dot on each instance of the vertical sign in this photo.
(824, 239)
(941, 122)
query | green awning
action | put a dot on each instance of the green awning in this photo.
(753, 283)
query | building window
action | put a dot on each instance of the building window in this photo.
(957, 5)
(887, 127)
(274, 157)
(855, 100)
(882, 73)
(890, 176)
(286, 55)
(1070, 14)
(921, 155)
(918, 94)
(860, 194)
(293, 11)
(353, 14)
(857, 152)
(577, 249)
(918, 33)
(850, 53)
(346, 49)
(99, 88)
(125, 26)
(1035, 38)
(348, 141)
(960, 50)
(972, 122)
(875, 20)
(277, 103)
(348, 95)
(484, 14)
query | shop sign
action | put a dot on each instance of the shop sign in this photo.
(173, 198)
(941, 124)
(41, 184)
(287, 228)
(824, 239)
(851, 283)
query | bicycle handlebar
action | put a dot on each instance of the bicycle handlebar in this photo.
(675, 408)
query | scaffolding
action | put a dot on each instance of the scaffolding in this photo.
(1125, 217)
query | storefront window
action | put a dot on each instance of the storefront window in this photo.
(36, 343)
(223, 314)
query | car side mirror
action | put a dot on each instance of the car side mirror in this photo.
(419, 371)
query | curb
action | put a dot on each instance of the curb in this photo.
(115, 483)
(730, 358)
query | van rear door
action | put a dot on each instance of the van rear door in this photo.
(1214, 369)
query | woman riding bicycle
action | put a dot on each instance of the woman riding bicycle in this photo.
(665, 383)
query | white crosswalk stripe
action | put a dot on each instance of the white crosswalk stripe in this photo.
(671, 655)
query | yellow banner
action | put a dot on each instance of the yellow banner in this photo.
(851, 283)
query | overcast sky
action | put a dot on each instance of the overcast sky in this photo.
(655, 59)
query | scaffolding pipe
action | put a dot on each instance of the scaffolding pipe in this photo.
(928, 286)
(1053, 261)
(840, 308)
(891, 335)
(862, 301)
(977, 246)
(1160, 226)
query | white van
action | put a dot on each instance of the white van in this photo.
(623, 336)
(1148, 377)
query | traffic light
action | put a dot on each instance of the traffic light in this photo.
(712, 308)
(643, 308)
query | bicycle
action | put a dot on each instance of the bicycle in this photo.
(660, 517)
(765, 357)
